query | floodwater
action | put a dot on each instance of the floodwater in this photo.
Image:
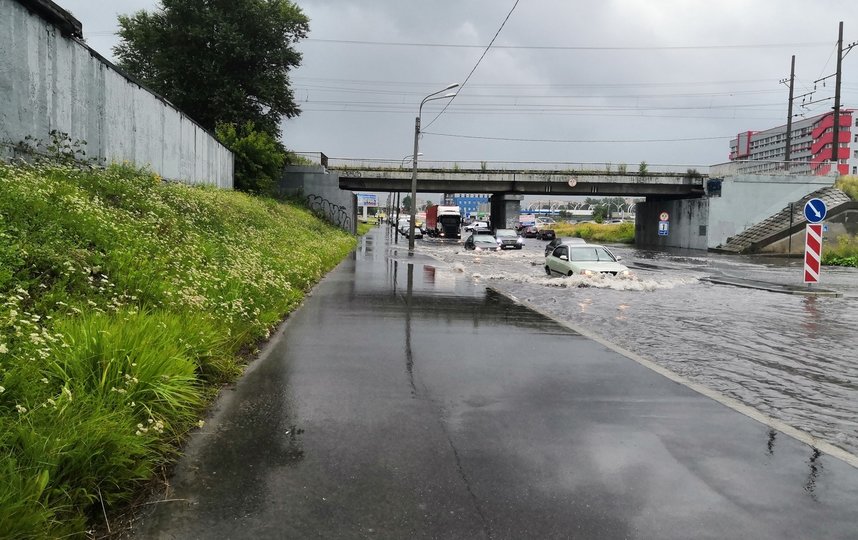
(792, 357)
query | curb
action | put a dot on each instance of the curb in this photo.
(771, 287)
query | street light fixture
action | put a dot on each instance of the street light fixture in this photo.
(431, 97)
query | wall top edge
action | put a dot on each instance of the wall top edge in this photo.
(54, 14)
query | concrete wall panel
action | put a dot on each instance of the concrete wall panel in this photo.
(748, 199)
(687, 226)
(52, 82)
(321, 190)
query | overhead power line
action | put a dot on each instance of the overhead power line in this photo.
(520, 139)
(381, 91)
(462, 86)
(578, 47)
(641, 84)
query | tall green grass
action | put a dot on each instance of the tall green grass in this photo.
(124, 303)
(844, 253)
(614, 233)
(849, 185)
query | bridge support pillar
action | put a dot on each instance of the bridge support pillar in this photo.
(505, 208)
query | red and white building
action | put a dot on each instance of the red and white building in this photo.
(811, 146)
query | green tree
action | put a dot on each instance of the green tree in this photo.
(406, 203)
(642, 168)
(220, 61)
(259, 158)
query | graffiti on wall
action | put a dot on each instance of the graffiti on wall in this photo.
(336, 214)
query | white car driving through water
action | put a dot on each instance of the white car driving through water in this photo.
(585, 260)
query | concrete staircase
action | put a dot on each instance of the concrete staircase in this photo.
(777, 226)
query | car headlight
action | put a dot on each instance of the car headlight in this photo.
(588, 272)
(625, 273)
(478, 249)
(519, 241)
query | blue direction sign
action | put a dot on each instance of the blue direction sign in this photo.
(814, 210)
(663, 228)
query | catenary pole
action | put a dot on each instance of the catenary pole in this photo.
(835, 141)
(788, 150)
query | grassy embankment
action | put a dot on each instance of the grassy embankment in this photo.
(615, 233)
(124, 304)
(845, 252)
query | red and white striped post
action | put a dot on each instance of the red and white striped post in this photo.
(812, 252)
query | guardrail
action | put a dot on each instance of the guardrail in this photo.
(343, 163)
(730, 168)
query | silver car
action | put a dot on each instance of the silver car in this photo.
(508, 238)
(586, 260)
(568, 240)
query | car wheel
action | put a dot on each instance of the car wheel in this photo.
(570, 273)
(547, 270)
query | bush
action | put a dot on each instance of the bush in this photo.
(845, 253)
(124, 303)
(259, 158)
(848, 185)
(597, 232)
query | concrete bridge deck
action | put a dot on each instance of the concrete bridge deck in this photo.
(524, 182)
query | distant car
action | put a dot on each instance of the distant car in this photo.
(482, 242)
(481, 230)
(476, 224)
(568, 240)
(530, 232)
(404, 226)
(545, 234)
(586, 260)
(508, 238)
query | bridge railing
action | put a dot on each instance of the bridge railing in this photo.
(495, 166)
(760, 167)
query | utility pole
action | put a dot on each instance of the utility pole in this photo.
(789, 113)
(835, 142)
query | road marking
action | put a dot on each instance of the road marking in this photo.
(738, 406)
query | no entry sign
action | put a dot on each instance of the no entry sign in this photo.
(812, 252)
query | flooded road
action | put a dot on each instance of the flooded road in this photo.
(404, 400)
(792, 357)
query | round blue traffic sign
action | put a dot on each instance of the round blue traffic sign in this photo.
(814, 210)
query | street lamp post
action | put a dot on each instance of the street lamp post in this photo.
(431, 97)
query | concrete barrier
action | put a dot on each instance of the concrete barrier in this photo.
(51, 80)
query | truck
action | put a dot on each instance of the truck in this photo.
(443, 221)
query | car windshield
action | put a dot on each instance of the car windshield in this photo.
(505, 233)
(485, 241)
(588, 254)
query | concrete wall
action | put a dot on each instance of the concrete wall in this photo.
(50, 81)
(688, 223)
(321, 190)
(505, 210)
(748, 199)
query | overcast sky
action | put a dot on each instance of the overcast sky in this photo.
(692, 73)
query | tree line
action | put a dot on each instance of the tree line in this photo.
(226, 64)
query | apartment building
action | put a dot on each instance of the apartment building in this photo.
(811, 146)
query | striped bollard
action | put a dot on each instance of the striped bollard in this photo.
(812, 252)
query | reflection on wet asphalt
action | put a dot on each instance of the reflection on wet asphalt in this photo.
(791, 357)
(403, 400)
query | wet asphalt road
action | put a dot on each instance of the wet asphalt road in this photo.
(405, 401)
